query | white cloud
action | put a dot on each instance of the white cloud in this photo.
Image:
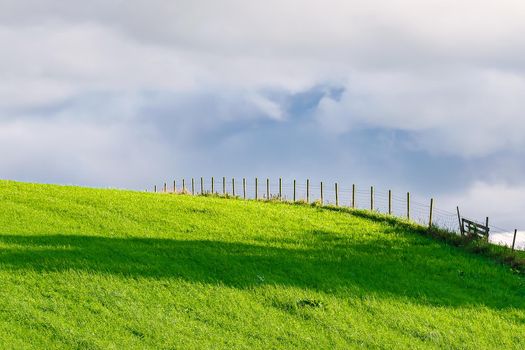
(448, 72)
(267, 106)
(68, 151)
(46, 64)
(506, 238)
(466, 112)
(335, 29)
(502, 203)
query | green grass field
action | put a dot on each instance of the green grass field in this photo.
(105, 269)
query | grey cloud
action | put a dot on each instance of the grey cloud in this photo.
(468, 113)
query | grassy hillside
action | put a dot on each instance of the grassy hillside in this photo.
(101, 269)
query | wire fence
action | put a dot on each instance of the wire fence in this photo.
(378, 200)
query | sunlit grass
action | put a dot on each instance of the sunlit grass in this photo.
(85, 268)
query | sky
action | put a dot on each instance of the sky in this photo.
(420, 96)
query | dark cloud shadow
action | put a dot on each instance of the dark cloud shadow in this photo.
(330, 263)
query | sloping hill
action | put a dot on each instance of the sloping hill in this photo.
(85, 268)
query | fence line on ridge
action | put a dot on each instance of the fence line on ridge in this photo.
(370, 198)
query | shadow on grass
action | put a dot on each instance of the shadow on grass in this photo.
(500, 253)
(419, 273)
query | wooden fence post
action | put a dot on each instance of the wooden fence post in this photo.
(165, 187)
(280, 189)
(202, 186)
(244, 188)
(336, 196)
(353, 196)
(459, 222)
(487, 226)
(224, 186)
(155, 188)
(431, 212)
(408, 205)
(183, 186)
(267, 189)
(389, 202)
(371, 198)
(233, 186)
(212, 185)
(256, 189)
(322, 200)
(294, 184)
(336, 190)
(307, 191)
(174, 186)
(193, 186)
(514, 239)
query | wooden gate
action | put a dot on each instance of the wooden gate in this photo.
(473, 229)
